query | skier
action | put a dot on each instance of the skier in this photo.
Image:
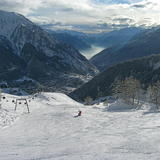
(79, 114)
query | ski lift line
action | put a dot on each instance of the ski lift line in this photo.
(22, 99)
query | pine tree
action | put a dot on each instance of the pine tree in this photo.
(117, 89)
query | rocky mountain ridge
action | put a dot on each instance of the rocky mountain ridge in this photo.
(41, 56)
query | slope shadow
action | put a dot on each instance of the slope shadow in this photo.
(151, 112)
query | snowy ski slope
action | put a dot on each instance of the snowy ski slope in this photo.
(50, 132)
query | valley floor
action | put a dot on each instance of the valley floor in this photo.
(50, 131)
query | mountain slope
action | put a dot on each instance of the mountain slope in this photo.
(100, 60)
(43, 57)
(11, 66)
(50, 132)
(77, 41)
(143, 44)
(10, 20)
(116, 37)
(147, 70)
(85, 43)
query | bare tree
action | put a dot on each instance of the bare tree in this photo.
(88, 100)
(128, 90)
(154, 94)
(133, 88)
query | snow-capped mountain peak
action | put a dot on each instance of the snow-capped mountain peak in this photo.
(9, 21)
(40, 55)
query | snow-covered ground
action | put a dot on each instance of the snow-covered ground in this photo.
(50, 131)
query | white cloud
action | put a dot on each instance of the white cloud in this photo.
(22, 6)
(88, 12)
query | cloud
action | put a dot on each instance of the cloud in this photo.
(139, 6)
(22, 6)
(123, 20)
(96, 15)
(142, 5)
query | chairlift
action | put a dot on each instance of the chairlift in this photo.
(20, 100)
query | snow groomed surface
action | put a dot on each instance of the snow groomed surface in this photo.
(50, 131)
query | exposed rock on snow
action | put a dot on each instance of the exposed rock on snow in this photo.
(7, 118)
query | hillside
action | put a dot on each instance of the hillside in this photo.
(115, 38)
(141, 45)
(77, 41)
(51, 132)
(85, 43)
(147, 70)
(33, 53)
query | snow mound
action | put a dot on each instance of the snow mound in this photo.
(56, 98)
(6, 118)
(119, 106)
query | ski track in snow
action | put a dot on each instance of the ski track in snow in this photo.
(50, 132)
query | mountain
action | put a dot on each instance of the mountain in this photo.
(78, 41)
(114, 38)
(10, 64)
(141, 45)
(10, 20)
(86, 42)
(28, 50)
(100, 60)
(147, 70)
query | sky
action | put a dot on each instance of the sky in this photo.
(87, 15)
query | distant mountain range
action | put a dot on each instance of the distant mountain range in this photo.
(78, 41)
(27, 50)
(32, 57)
(84, 41)
(134, 59)
(141, 45)
(114, 38)
(147, 70)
